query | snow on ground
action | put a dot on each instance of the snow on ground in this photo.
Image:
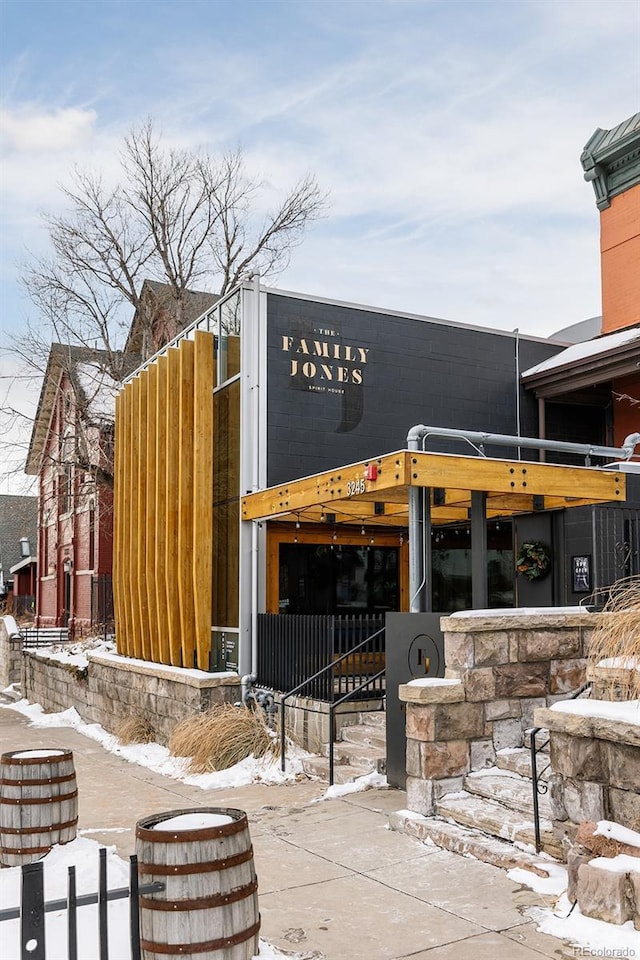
(585, 933)
(595, 936)
(368, 781)
(157, 758)
(83, 854)
(607, 828)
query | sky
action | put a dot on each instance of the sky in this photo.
(447, 134)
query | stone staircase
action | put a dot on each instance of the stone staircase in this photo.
(361, 750)
(491, 818)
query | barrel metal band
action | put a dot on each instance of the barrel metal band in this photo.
(207, 833)
(22, 801)
(59, 757)
(6, 782)
(52, 826)
(200, 903)
(178, 949)
(167, 870)
(20, 851)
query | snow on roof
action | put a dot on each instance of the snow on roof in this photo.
(100, 390)
(582, 351)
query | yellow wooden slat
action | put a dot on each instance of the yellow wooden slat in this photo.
(185, 500)
(160, 528)
(151, 520)
(118, 488)
(202, 556)
(141, 489)
(127, 524)
(134, 543)
(172, 495)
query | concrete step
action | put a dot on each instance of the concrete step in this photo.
(318, 767)
(512, 791)
(518, 760)
(373, 718)
(360, 754)
(369, 733)
(466, 841)
(496, 820)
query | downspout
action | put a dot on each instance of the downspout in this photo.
(417, 572)
(252, 676)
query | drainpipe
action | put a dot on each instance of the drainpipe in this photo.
(252, 676)
(417, 572)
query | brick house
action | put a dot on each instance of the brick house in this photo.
(71, 452)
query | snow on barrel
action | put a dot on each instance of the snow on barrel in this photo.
(209, 906)
(38, 803)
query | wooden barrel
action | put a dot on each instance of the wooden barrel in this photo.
(38, 803)
(209, 907)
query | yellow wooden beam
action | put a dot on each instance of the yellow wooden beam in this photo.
(134, 534)
(347, 483)
(118, 539)
(508, 476)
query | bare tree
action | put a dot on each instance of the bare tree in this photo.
(183, 218)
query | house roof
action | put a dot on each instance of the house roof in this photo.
(93, 384)
(586, 364)
(611, 160)
(18, 519)
(194, 304)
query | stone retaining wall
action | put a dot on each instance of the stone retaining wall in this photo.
(10, 652)
(506, 666)
(596, 770)
(111, 689)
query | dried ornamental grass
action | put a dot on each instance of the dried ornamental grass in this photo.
(222, 737)
(135, 729)
(615, 643)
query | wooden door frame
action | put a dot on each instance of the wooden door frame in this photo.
(351, 536)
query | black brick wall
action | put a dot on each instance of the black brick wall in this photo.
(416, 372)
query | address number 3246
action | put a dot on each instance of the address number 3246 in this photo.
(354, 487)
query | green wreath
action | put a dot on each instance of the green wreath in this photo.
(534, 560)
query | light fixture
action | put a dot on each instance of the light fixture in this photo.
(67, 564)
(25, 548)
(362, 531)
(335, 535)
(298, 522)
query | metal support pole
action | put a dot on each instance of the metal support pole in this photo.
(479, 591)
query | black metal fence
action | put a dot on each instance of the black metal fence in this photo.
(33, 908)
(617, 544)
(293, 647)
(34, 637)
(102, 602)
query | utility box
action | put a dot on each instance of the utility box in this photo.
(414, 648)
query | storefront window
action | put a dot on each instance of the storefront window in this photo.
(338, 579)
(451, 552)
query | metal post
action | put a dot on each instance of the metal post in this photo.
(134, 907)
(102, 906)
(32, 940)
(72, 916)
(479, 592)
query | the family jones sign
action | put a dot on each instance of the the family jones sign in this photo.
(324, 362)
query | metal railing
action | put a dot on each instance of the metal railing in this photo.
(326, 677)
(540, 787)
(33, 908)
(102, 603)
(34, 637)
(294, 647)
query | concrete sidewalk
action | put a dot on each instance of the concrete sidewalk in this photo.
(334, 882)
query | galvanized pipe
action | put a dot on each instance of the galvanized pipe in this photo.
(420, 433)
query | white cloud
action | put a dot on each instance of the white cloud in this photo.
(29, 128)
